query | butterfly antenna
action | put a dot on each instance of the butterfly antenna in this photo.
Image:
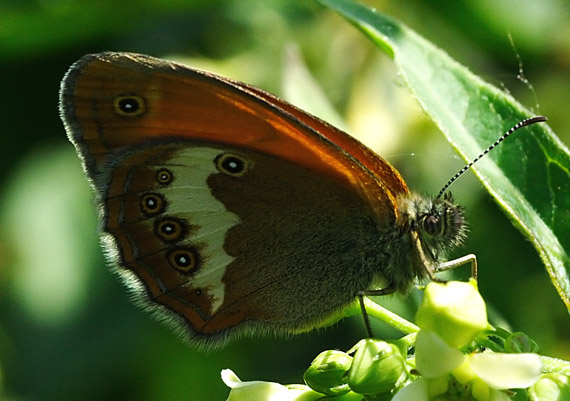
(523, 123)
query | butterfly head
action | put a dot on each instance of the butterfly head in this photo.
(440, 224)
(429, 228)
(432, 228)
(437, 223)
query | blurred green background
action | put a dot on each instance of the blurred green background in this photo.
(67, 328)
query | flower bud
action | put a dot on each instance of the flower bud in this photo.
(326, 374)
(551, 386)
(378, 368)
(455, 311)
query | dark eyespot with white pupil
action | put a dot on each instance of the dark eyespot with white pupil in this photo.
(232, 164)
(164, 176)
(185, 260)
(152, 204)
(171, 229)
(129, 105)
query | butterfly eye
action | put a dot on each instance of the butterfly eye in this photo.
(164, 176)
(152, 204)
(171, 230)
(129, 105)
(231, 164)
(431, 224)
(185, 260)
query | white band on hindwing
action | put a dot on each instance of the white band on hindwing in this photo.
(190, 199)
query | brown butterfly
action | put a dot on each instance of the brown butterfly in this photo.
(233, 212)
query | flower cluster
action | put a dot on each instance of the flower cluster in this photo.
(449, 362)
(450, 318)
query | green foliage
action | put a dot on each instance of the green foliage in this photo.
(470, 112)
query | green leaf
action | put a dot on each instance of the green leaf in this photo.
(528, 175)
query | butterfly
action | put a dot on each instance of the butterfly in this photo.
(231, 212)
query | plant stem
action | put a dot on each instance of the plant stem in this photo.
(384, 315)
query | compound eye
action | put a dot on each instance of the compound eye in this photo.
(431, 224)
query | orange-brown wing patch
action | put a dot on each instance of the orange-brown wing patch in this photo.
(175, 101)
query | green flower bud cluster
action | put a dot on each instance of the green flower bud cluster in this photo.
(376, 370)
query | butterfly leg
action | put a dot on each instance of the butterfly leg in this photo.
(390, 289)
(365, 316)
(452, 264)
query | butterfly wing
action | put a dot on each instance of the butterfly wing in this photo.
(219, 199)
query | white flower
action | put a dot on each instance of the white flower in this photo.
(504, 371)
(487, 372)
(416, 391)
(265, 391)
